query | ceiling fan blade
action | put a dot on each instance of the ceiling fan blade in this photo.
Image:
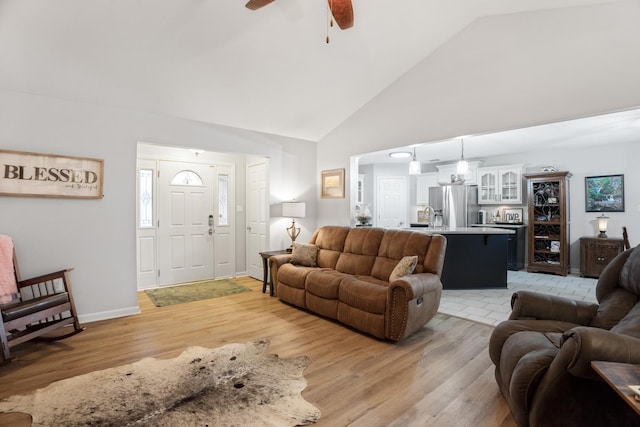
(342, 11)
(257, 4)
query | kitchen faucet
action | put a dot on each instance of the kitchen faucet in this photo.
(430, 213)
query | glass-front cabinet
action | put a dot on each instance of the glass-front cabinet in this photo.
(548, 222)
(500, 185)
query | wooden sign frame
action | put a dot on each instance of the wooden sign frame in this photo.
(49, 175)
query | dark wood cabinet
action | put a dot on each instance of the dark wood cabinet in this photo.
(548, 245)
(596, 253)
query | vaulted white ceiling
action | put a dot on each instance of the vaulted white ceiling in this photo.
(216, 61)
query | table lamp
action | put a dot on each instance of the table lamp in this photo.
(602, 226)
(293, 210)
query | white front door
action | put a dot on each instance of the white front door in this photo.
(186, 220)
(391, 202)
(257, 217)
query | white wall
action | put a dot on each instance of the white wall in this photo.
(97, 237)
(502, 72)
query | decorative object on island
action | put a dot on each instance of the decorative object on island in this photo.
(596, 253)
(604, 193)
(293, 210)
(512, 216)
(363, 214)
(414, 165)
(602, 226)
(548, 230)
(332, 185)
(462, 167)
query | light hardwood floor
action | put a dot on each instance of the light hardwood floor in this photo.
(440, 376)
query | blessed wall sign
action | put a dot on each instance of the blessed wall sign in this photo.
(50, 175)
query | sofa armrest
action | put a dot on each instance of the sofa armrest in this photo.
(582, 345)
(505, 329)
(276, 262)
(417, 285)
(532, 305)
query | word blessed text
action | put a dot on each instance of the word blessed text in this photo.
(73, 176)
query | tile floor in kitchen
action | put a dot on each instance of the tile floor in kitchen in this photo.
(491, 306)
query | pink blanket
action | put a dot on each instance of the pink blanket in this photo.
(8, 286)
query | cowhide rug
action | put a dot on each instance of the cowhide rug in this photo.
(234, 385)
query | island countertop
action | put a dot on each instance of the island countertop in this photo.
(463, 230)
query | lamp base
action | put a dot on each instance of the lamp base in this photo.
(602, 235)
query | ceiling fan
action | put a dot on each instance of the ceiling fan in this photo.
(341, 10)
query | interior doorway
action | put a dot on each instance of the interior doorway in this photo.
(391, 202)
(186, 216)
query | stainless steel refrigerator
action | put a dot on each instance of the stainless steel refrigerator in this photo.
(456, 204)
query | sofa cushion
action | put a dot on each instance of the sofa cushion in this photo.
(404, 267)
(630, 324)
(613, 308)
(630, 273)
(397, 244)
(304, 254)
(294, 276)
(363, 295)
(324, 283)
(360, 250)
(330, 240)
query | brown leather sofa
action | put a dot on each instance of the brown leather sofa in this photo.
(543, 353)
(350, 282)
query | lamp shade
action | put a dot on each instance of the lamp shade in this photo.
(293, 209)
(602, 225)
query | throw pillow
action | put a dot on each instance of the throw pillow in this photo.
(405, 266)
(304, 254)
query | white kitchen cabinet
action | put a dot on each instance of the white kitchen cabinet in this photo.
(423, 182)
(500, 185)
(446, 171)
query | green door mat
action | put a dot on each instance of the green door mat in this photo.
(195, 291)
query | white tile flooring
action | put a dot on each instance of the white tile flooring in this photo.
(492, 306)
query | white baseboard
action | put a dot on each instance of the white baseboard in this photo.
(106, 315)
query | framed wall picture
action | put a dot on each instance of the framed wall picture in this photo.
(49, 175)
(604, 193)
(332, 184)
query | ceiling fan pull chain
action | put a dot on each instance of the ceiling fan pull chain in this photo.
(329, 19)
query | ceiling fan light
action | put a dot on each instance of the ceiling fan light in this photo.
(400, 154)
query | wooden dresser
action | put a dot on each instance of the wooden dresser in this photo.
(596, 253)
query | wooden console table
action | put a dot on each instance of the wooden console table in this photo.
(620, 376)
(265, 268)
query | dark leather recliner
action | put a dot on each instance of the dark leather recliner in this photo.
(543, 353)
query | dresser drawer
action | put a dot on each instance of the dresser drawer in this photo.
(596, 253)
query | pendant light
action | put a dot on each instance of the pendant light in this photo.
(462, 166)
(414, 165)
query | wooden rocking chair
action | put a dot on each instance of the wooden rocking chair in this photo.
(625, 238)
(42, 305)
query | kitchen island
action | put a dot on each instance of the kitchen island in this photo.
(476, 257)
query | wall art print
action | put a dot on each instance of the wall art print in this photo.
(604, 193)
(332, 184)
